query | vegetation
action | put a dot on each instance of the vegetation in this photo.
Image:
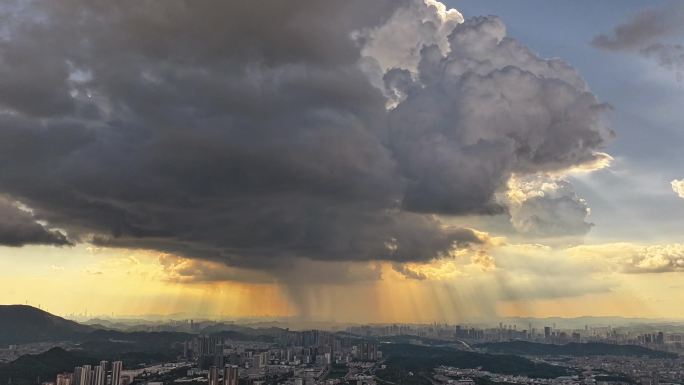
(404, 360)
(415, 340)
(241, 336)
(35, 368)
(572, 349)
(615, 378)
(134, 349)
(396, 375)
(23, 324)
(337, 371)
(488, 381)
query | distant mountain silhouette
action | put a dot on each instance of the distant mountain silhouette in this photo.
(23, 324)
(524, 348)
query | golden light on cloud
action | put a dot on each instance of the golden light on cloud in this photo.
(601, 161)
(495, 279)
(401, 165)
(522, 187)
(103, 281)
(458, 200)
(678, 187)
(633, 258)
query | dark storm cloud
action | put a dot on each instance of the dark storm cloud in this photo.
(644, 28)
(18, 228)
(646, 33)
(247, 132)
(408, 272)
(668, 56)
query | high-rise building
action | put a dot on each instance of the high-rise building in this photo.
(76, 378)
(213, 376)
(97, 373)
(219, 358)
(63, 379)
(117, 366)
(230, 375)
(100, 375)
(86, 375)
(369, 351)
(259, 360)
(547, 332)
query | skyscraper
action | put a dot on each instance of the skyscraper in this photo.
(86, 375)
(97, 374)
(100, 375)
(64, 379)
(213, 376)
(117, 366)
(76, 379)
(230, 375)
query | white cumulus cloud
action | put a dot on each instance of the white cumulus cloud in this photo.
(678, 187)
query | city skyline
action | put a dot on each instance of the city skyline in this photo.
(37, 348)
(409, 161)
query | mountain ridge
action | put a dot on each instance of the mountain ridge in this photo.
(526, 348)
(24, 324)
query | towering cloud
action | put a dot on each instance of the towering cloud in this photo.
(254, 133)
(397, 42)
(488, 109)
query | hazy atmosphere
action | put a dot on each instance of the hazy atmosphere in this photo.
(363, 161)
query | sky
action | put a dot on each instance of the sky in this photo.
(402, 161)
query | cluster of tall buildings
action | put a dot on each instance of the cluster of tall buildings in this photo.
(302, 356)
(97, 375)
(227, 376)
(366, 351)
(294, 348)
(468, 333)
(648, 339)
(542, 334)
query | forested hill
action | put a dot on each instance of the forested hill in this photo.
(572, 349)
(22, 324)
